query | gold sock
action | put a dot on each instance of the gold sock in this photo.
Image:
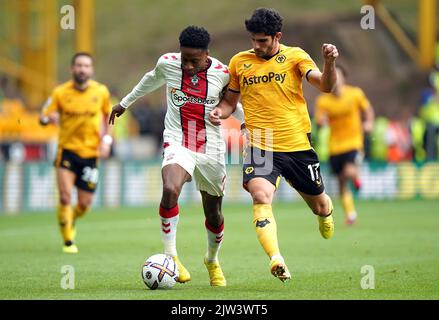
(348, 203)
(79, 211)
(266, 228)
(65, 219)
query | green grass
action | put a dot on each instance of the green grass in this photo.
(399, 239)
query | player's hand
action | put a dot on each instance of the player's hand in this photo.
(104, 150)
(215, 116)
(52, 118)
(329, 52)
(117, 111)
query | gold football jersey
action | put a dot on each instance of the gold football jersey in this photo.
(344, 115)
(276, 113)
(81, 115)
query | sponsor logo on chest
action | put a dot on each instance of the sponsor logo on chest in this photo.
(271, 76)
(179, 98)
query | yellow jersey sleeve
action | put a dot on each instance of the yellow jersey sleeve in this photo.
(305, 63)
(343, 113)
(234, 79)
(52, 104)
(363, 102)
(106, 102)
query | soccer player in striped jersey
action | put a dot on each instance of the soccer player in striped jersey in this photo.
(193, 147)
(268, 79)
(342, 110)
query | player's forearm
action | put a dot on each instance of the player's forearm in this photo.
(329, 77)
(226, 109)
(369, 115)
(228, 104)
(106, 129)
(147, 84)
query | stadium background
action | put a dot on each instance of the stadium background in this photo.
(396, 233)
(399, 78)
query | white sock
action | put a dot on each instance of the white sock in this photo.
(169, 221)
(214, 240)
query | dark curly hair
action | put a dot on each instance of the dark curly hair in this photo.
(195, 37)
(264, 20)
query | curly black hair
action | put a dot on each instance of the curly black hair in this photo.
(195, 37)
(264, 20)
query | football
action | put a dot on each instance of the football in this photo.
(159, 272)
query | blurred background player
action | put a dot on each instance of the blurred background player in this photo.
(81, 107)
(342, 110)
(193, 147)
(269, 80)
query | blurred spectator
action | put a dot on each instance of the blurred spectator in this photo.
(428, 91)
(430, 114)
(378, 148)
(417, 130)
(434, 77)
(11, 113)
(398, 138)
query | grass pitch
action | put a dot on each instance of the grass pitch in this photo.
(399, 239)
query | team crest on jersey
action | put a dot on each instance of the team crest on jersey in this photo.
(281, 58)
(194, 80)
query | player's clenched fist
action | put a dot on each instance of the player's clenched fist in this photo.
(330, 52)
(215, 116)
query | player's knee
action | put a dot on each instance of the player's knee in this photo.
(261, 197)
(84, 205)
(349, 171)
(64, 198)
(171, 191)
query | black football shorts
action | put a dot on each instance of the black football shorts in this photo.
(86, 170)
(301, 169)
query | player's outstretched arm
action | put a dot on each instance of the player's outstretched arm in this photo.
(151, 81)
(225, 108)
(325, 81)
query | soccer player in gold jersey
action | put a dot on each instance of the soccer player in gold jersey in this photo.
(80, 107)
(343, 110)
(268, 79)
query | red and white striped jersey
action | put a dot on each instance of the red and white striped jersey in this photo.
(189, 101)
